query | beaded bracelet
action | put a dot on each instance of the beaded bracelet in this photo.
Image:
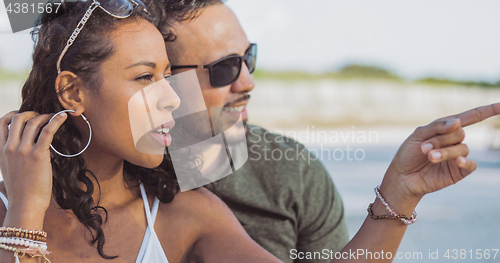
(405, 219)
(27, 251)
(23, 242)
(370, 213)
(36, 235)
(13, 229)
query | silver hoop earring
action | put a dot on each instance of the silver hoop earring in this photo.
(88, 143)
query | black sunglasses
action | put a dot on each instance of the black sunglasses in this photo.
(226, 71)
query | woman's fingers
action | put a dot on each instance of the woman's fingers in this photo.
(49, 130)
(441, 141)
(17, 125)
(448, 153)
(32, 129)
(24, 127)
(4, 127)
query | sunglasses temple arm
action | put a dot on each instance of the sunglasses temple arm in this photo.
(141, 4)
(75, 33)
(189, 66)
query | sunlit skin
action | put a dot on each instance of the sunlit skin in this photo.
(189, 227)
(215, 34)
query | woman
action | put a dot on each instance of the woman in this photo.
(98, 196)
(109, 61)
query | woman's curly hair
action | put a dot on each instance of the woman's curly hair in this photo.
(72, 184)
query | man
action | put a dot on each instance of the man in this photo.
(288, 205)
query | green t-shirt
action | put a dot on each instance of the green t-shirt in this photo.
(284, 199)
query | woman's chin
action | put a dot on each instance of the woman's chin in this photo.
(154, 160)
(149, 153)
(149, 161)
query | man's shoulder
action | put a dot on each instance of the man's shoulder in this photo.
(276, 153)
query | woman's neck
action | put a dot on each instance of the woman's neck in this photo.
(111, 190)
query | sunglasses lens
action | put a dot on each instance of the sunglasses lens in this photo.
(251, 58)
(118, 8)
(226, 71)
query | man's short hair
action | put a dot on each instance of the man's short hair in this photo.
(179, 10)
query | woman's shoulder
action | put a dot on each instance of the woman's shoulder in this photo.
(192, 215)
(207, 229)
(198, 203)
(196, 211)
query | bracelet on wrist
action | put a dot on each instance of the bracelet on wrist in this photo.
(405, 219)
(19, 253)
(33, 241)
(23, 242)
(35, 235)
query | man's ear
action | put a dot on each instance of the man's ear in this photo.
(69, 90)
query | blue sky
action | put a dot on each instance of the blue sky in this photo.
(451, 38)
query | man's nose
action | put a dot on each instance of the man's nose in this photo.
(168, 100)
(244, 83)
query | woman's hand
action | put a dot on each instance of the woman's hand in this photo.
(432, 158)
(25, 164)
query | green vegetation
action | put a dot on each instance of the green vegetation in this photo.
(347, 72)
(10, 75)
(365, 72)
(444, 82)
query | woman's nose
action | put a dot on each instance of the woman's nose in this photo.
(168, 100)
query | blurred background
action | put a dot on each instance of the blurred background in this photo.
(331, 71)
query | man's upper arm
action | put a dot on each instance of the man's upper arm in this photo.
(321, 221)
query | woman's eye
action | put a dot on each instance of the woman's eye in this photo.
(147, 77)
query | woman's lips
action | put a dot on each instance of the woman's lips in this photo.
(164, 139)
(161, 133)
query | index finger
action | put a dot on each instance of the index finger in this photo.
(478, 114)
(4, 127)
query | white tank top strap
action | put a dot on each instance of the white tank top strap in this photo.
(150, 214)
(146, 206)
(4, 200)
(154, 211)
(151, 249)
